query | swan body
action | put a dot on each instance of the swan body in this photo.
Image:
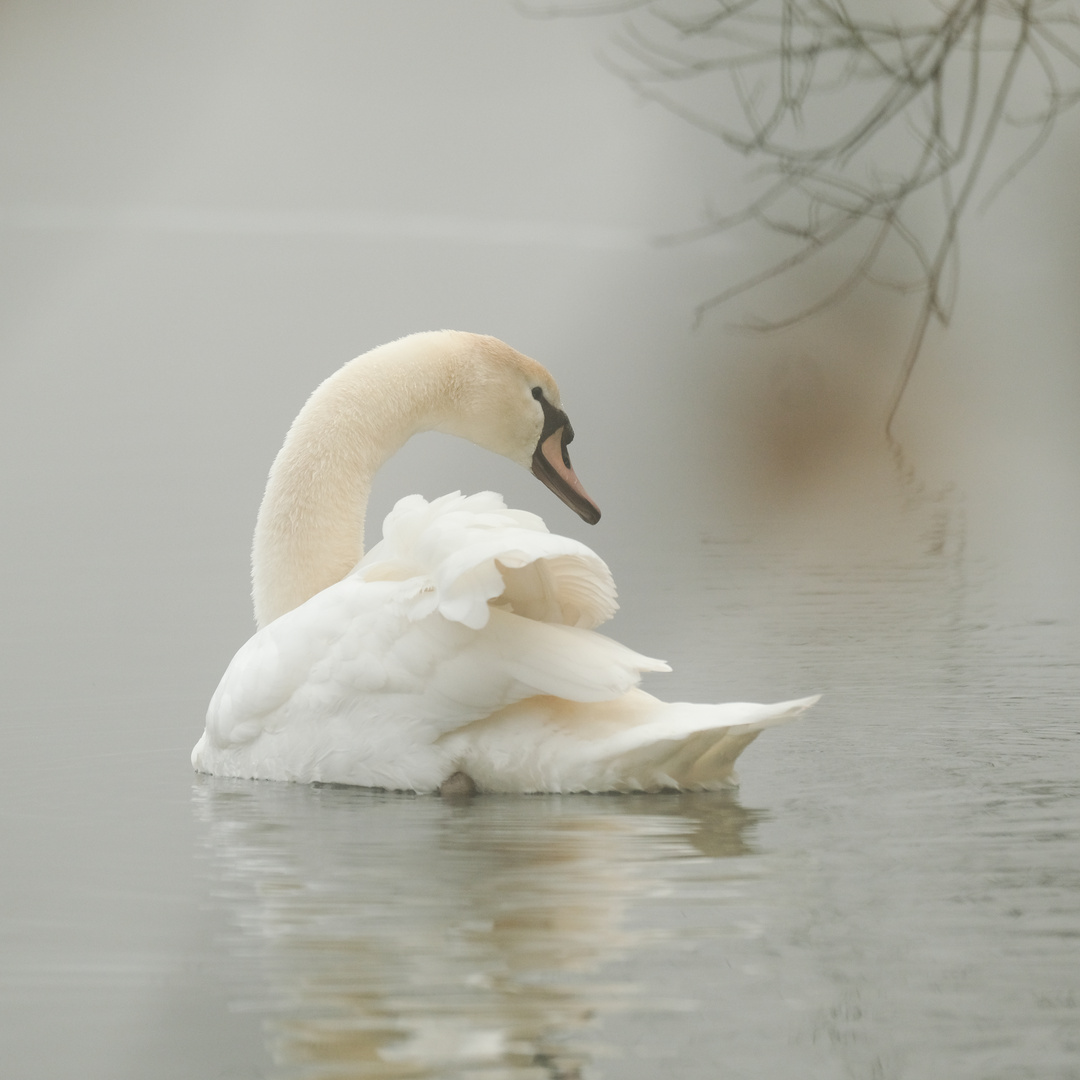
(462, 643)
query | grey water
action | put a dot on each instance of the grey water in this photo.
(205, 211)
(893, 892)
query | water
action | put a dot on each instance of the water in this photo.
(893, 892)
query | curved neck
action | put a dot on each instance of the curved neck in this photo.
(310, 529)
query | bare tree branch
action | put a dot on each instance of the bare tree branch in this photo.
(823, 94)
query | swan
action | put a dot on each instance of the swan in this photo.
(459, 654)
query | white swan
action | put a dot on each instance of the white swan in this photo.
(461, 647)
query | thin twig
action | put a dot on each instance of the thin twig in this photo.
(787, 60)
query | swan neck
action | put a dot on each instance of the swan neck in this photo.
(310, 528)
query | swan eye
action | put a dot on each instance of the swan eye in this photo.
(537, 393)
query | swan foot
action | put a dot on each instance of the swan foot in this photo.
(458, 785)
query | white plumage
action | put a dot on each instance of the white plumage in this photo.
(463, 642)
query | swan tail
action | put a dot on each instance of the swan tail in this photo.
(704, 760)
(634, 743)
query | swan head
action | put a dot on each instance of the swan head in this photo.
(509, 404)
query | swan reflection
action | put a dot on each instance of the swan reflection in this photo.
(398, 936)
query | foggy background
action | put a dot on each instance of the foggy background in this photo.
(206, 208)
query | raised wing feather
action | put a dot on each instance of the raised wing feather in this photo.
(476, 551)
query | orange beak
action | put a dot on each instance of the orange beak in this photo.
(551, 464)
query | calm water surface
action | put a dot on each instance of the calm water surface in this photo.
(893, 892)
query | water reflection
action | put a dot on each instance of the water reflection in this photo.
(411, 937)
